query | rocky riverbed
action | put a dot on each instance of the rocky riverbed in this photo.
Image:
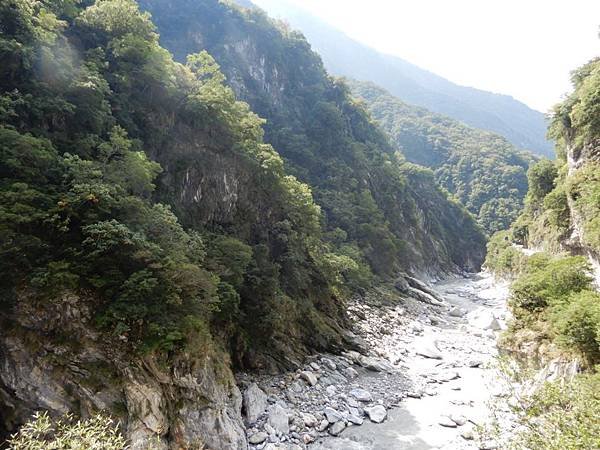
(428, 378)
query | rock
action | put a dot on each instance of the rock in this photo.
(355, 419)
(350, 373)
(337, 428)
(361, 395)
(486, 321)
(309, 420)
(377, 413)
(332, 415)
(445, 421)
(488, 445)
(323, 425)
(457, 312)
(278, 419)
(427, 348)
(474, 363)
(255, 403)
(315, 366)
(307, 439)
(258, 438)
(458, 419)
(329, 364)
(411, 394)
(309, 377)
(467, 435)
(269, 429)
(375, 365)
(330, 390)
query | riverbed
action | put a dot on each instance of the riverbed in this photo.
(427, 377)
(454, 396)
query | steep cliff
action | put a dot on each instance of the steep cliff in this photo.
(111, 300)
(375, 205)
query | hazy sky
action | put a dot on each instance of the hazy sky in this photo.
(524, 48)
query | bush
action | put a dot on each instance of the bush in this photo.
(43, 433)
(577, 324)
(549, 281)
(563, 416)
(502, 257)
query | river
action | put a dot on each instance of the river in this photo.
(451, 396)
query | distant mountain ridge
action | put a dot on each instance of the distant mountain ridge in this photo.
(343, 56)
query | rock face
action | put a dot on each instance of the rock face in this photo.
(193, 403)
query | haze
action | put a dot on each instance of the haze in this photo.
(521, 48)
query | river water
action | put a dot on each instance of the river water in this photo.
(460, 392)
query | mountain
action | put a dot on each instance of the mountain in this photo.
(153, 240)
(343, 56)
(482, 169)
(385, 214)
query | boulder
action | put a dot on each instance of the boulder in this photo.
(376, 414)
(361, 395)
(332, 415)
(427, 347)
(255, 403)
(337, 428)
(278, 419)
(309, 377)
(258, 438)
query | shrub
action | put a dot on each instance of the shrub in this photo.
(43, 433)
(549, 281)
(577, 324)
(563, 416)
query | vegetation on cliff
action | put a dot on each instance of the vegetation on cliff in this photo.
(382, 213)
(554, 302)
(482, 170)
(99, 128)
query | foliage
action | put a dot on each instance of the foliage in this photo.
(92, 109)
(484, 171)
(503, 258)
(577, 324)
(547, 282)
(43, 433)
(563, 416)
(363, 187)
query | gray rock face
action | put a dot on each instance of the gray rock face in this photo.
(209, 403)
(278, 419)
(376, 414)
(255, 403)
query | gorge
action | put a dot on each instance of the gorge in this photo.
(208, 242)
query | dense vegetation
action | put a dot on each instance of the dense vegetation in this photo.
(483, 170)
(554, 302)
(97, 123)
(343, 56)
(381, 212)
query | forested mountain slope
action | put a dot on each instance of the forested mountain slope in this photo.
(343, 56)
(483, 170)
(148, 234)
(383, 213)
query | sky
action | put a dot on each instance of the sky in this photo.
(523, 48)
